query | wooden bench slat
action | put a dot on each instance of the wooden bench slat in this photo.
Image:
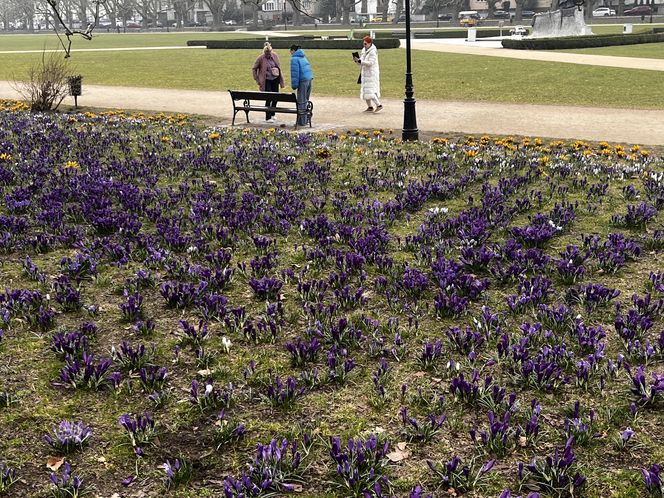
(278, 96)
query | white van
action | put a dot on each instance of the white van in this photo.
(468, 13)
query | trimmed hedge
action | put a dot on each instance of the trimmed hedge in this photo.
(281, 43)
(583, 41)
(293, 38)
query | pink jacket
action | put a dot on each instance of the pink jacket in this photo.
(260, 70)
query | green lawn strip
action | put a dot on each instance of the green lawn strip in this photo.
(437, 76)
(646, 50)
(612, 29)
(101, 39)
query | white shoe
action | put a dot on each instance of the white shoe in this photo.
(272, 120)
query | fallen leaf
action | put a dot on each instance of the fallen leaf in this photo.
(205, 373)
(378, 430)
(402, 445)
(297, 488)
(397, 455)
(54, 463)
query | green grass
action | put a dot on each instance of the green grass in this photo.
(113, 40)
(646, 50)
(437, 76)
(613, 29)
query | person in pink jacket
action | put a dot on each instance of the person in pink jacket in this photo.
(267, 73)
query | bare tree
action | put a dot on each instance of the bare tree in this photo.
(148, 9)
(217, 8)
(345, 7)
(297, 12)
(82, 7)
(25, 13)
(255, 8)
(8, 13)
(181, 7)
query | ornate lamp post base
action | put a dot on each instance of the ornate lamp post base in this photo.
(409, 131)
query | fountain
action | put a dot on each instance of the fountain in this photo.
(568, 20)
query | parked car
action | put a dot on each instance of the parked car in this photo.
(603, 12)
(501, 14)
(444, 17)
(527, 14)
(468, 22)
(519, 31)
(639, 10)
(469, 18)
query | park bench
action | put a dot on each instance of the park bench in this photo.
(242, 101)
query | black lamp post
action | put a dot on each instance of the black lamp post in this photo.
(409, 131)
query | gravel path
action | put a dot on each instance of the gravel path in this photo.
(644, 127)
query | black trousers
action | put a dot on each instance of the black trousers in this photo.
(271, 86)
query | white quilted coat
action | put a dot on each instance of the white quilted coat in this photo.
(370, 73)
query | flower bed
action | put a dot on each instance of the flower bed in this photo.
(257, 312)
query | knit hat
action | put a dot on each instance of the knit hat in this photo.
(367, 39)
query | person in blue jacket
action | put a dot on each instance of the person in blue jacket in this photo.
(301, 79)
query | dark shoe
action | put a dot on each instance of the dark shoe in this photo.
(379, 108)
(369, 109)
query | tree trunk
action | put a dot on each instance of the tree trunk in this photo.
(384, 8)
(345, 11)
(519, 9)
(398, 10)
(297, 14)
(491, 9)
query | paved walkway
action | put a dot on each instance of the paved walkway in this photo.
(566, 122)
(493, 48)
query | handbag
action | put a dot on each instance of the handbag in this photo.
(359, 79)
(275, 71)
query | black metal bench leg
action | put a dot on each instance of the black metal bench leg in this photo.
(247, 114)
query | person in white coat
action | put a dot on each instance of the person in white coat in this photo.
(370, 76)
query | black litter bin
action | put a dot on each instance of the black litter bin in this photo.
(75, 87)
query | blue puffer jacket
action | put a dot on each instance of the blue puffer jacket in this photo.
(300, 69)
